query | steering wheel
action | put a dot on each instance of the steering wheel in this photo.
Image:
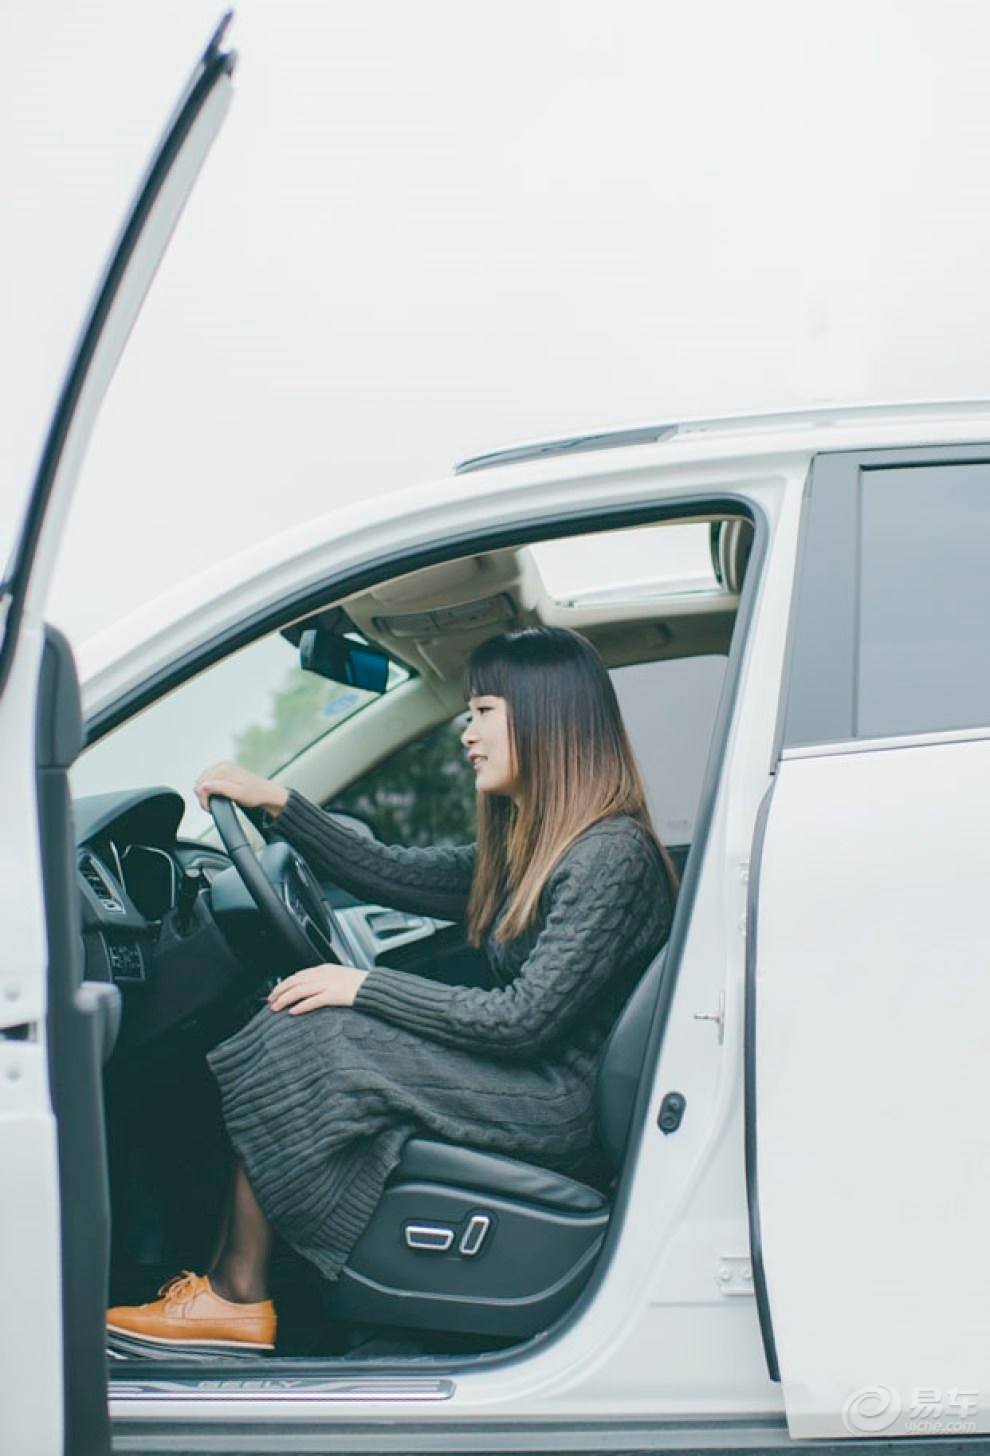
(283, 887)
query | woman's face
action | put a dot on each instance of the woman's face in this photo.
(489, 749)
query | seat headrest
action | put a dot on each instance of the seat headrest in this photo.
(622, 1062)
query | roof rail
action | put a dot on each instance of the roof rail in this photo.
(604, 440)
(794, 417)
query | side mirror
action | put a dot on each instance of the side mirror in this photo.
(355, 663)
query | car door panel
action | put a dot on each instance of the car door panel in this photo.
(55, 1030)
(871, 1004)
(82, 1021)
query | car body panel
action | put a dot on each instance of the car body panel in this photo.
(664, 1338)
(872, 1008)
(668, 1330)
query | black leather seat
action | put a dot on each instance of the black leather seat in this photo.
(470, 1241)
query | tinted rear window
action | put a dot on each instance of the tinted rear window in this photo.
(924, 600)
(891, 625)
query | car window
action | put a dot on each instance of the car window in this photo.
(669, 712)
(257, 707)
(424, 793)
(891, 621)
(924, 611)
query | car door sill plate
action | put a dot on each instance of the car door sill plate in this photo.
(338, 1387)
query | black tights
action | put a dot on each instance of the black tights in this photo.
(239, 1270)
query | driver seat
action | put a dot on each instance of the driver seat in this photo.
(470, 1241)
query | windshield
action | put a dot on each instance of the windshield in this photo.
(257, 708)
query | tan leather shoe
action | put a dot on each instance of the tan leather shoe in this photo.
(191, 1313)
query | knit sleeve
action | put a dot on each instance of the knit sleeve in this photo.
(428, 881)
(592, 897)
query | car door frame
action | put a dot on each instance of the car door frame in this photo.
(515, 527)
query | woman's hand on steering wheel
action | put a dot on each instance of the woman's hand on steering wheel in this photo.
(248, 789)
(278, 879)
(327, 985)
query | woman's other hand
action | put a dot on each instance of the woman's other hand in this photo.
(248, 789)
(326, 985)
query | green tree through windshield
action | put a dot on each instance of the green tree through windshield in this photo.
(422, 794)
(302, 710)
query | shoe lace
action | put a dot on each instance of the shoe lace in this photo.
(180, 1287)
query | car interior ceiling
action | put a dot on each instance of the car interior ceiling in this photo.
(425, 617)
(169, 1157)
(427, 620)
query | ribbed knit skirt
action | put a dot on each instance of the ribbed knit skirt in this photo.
(319, 1106)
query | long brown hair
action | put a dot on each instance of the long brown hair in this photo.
(573, 761)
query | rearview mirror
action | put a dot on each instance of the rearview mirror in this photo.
(338, 658)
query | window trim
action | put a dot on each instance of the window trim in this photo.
(879, 745)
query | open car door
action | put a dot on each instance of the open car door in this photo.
(56, 1029)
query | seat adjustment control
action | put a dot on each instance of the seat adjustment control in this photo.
(437, 1236)
(474, 1235)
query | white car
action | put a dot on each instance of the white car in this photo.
(790, 1252)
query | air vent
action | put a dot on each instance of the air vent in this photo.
(96, 878)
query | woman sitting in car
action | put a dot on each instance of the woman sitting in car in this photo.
(571, 893)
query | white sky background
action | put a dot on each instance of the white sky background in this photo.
(431, 229)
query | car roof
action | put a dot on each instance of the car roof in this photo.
(730, 449)
(767, 422)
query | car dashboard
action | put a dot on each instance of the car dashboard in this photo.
(173, 925)
(146, 919)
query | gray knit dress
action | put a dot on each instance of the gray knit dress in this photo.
(318, 1106)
